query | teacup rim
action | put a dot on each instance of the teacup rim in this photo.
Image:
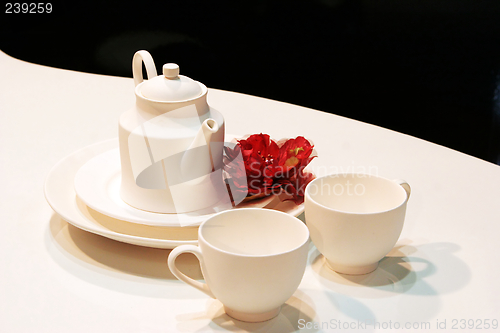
(239, 210)
(307, 195)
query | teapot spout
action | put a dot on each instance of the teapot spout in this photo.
(197, 160)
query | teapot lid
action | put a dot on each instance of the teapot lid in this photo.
(170, 87)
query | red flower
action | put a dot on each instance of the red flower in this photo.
(295, 153)
(268, 168)
(258, 152)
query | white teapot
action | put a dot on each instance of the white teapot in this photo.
(171, 143)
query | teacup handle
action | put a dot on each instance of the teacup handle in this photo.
(146, 58)
(405, 185)
(183, 277)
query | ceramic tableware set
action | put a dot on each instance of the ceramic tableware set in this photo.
(162, 177)
(166, 179)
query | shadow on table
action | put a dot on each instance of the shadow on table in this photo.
(425, 270)
(416, 275)
(294, 312)
(90, 256)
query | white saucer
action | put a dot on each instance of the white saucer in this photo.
(61, 196)
(97, 184)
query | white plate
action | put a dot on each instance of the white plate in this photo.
(97, 184)
(61, 196)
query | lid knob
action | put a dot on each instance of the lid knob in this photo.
(171, 71)
(170, 87)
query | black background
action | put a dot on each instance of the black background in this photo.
(428, 68)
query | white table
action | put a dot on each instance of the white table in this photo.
(57, 278)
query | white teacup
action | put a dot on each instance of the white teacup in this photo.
(355, 219)
(252, 259)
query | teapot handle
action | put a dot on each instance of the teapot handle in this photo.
(146, 58)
